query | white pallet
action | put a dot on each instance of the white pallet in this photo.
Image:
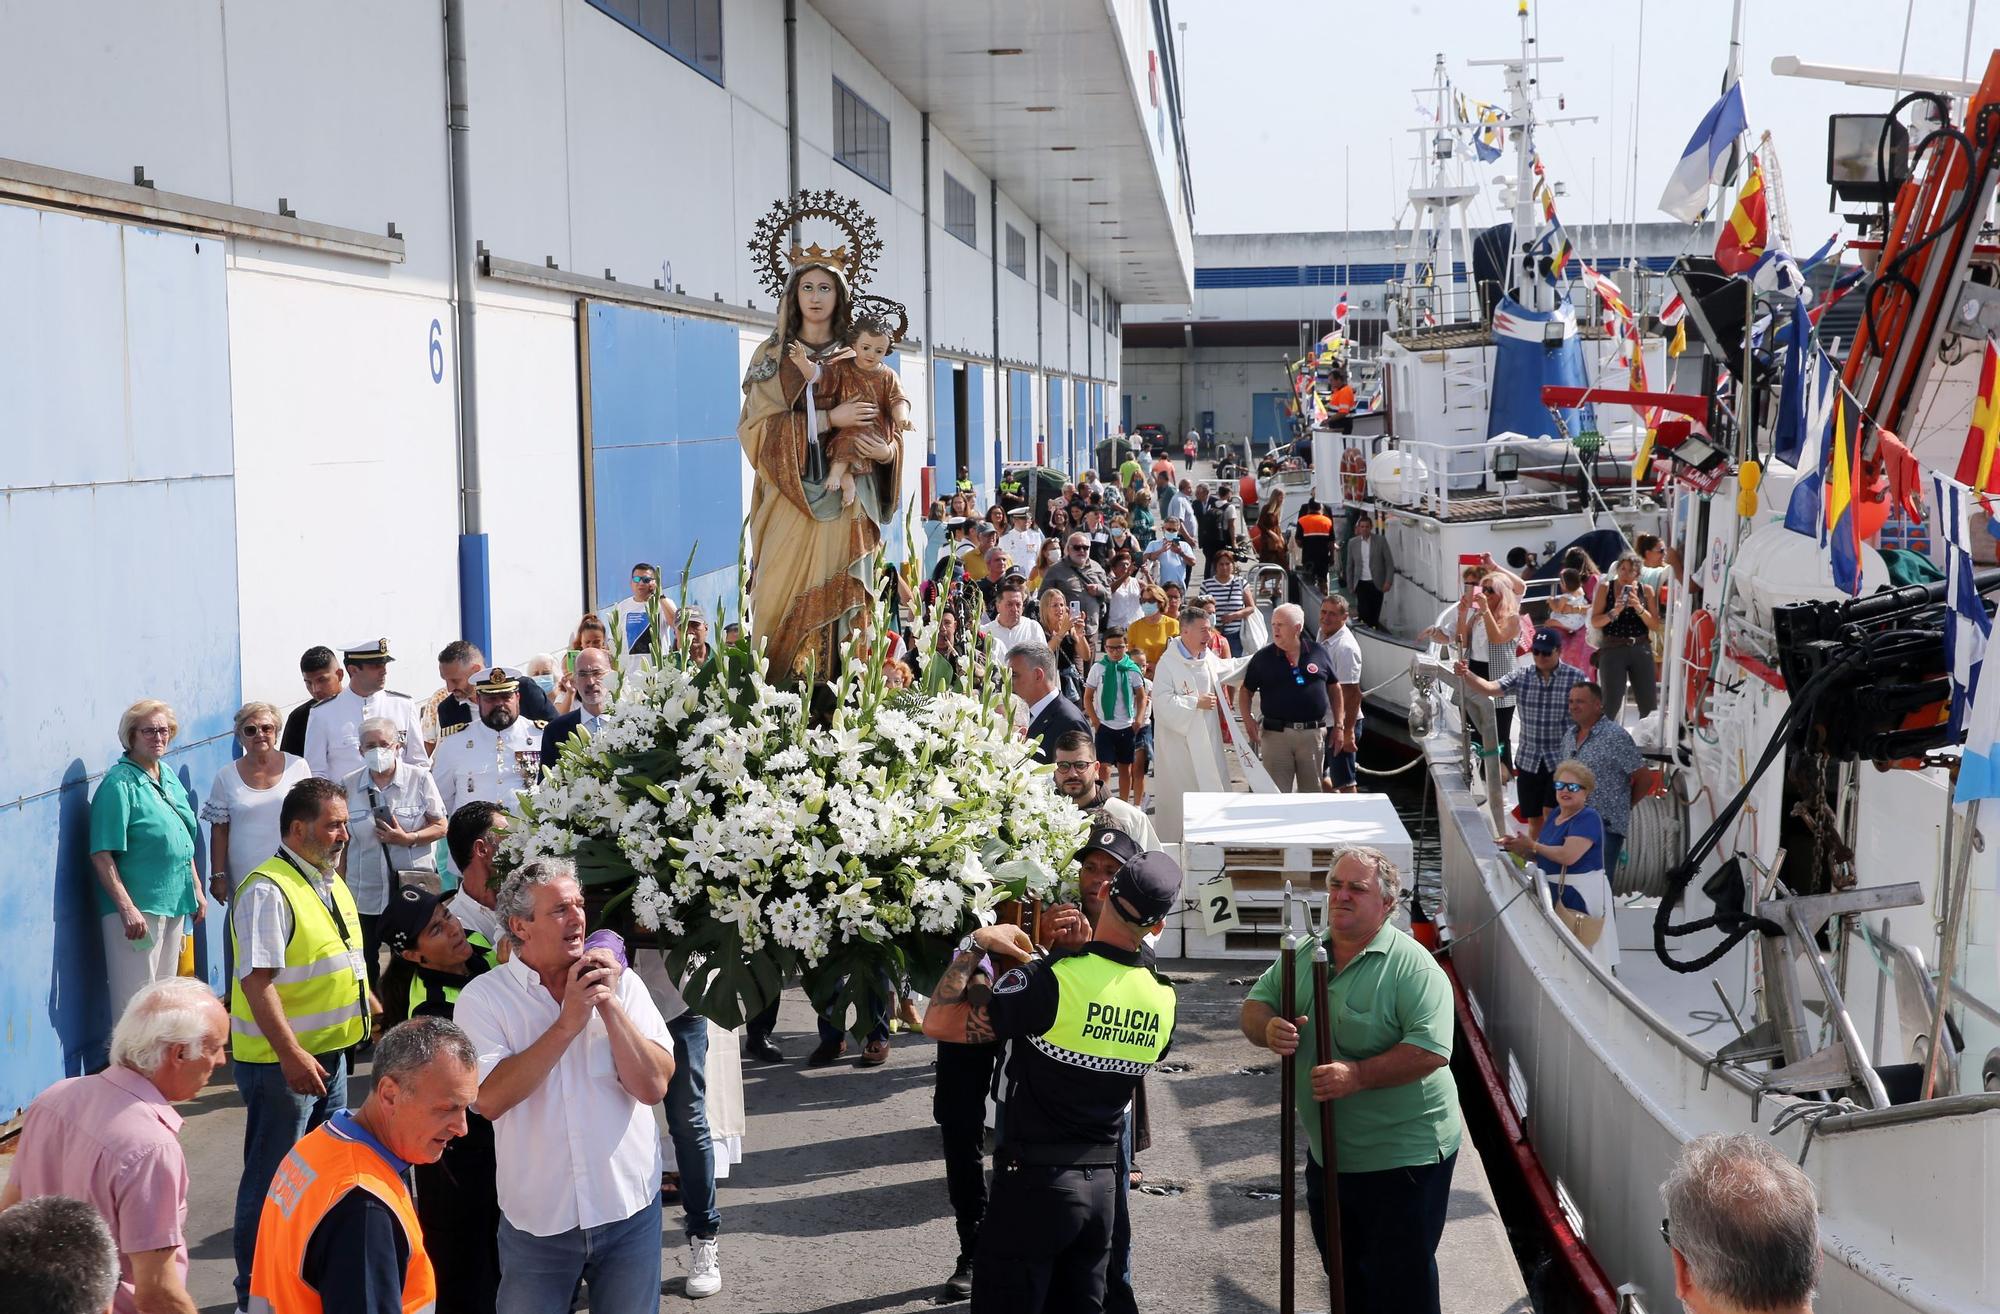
(1262, 839)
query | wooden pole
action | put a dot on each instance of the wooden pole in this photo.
(1288, 1102)
(1329, 1157)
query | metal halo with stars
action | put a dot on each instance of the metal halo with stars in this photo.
(768, 239)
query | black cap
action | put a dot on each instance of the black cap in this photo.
(404, 920)
(1107, 838)
(1147, 888)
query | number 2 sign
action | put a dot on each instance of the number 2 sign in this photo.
(1217, 899)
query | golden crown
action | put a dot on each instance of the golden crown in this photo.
(854, 260)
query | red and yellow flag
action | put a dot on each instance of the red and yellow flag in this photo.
(1979, 463)
(1748, 231)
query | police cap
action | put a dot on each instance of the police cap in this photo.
(1146, 888)
(404, 920)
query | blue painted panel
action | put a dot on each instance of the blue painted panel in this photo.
(1267, 417)
(1060, 449)
(944, 424)
(984, 472)
(1086, 455)
(665, 393)
(1020, 416)
(138, 572)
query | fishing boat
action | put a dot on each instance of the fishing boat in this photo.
(1810, 950)
(1466, 459)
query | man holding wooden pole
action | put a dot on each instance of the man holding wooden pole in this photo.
(1387, 1011)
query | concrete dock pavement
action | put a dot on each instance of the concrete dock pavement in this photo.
(839, 1205)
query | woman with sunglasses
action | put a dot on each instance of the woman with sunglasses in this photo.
(142, 840)
(1570, 852)
(243, 802)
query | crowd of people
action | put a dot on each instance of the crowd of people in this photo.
(507, 1155)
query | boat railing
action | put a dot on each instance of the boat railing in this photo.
(1415, 305)
(1501, 463)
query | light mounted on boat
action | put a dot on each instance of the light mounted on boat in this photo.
(1552, 334)
(1506, 467)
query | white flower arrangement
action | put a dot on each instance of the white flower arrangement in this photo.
(754, 842)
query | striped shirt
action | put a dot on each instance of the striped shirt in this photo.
(1228, 595)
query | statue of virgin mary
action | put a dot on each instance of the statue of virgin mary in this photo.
(813, 560)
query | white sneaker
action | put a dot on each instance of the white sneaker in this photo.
(704, 1268)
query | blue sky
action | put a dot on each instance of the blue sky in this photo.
(1281, 96)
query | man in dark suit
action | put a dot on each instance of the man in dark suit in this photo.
(592, 680)
(1038, 684)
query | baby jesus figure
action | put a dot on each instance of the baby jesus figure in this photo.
(862, 377)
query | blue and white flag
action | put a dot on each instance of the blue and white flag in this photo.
(1803, 392)
(1967, 628)
(1804, 429)
(1687, 191)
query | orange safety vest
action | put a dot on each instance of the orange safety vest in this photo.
(1315, 526)
(318, 1173)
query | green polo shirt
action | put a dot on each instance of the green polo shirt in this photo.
(1391, 993)
(149, 827)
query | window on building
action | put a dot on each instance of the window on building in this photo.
(1075, 297)
(1093, 310)
(1052, 279)
(689, 30)
(1017, 252)
(961, 211)
(1110, 313)
(860, 136)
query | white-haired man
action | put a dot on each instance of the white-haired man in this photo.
(1290, 676)
(1398, 1129)
(572, 1055)
(1743, 1223)
(112, 1138)
(57, 1257)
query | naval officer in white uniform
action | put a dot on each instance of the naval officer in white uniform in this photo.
(333, 730)
(497, 755)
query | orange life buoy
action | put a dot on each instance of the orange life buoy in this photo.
(1697, 653)
(1353, 475)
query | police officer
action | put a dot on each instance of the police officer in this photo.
(457, 1201)
(1091, 1024)
(333, 728)
(497, 755)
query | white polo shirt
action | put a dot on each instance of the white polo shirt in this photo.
(579, 1151)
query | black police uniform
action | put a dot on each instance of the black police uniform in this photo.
(1087, 1026)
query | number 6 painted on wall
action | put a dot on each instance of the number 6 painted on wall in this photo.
(437, 352)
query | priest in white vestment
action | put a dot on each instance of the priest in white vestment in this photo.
(1187, 733)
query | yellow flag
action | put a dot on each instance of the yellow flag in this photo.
(1679, 342)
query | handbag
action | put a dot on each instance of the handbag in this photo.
(1582, 925)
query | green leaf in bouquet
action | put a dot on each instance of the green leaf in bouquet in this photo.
(854, 985)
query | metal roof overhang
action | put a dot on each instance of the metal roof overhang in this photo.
(1072, 58)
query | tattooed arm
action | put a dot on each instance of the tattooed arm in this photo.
(957, 1010)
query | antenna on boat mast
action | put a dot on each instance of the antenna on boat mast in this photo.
(1531, 289)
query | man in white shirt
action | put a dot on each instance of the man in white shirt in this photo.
(631, 622)
(333, 729)
(1009, 629)
(1343, 736)
(1022, 540)
(572, 1054)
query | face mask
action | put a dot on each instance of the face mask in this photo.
(380, 759)
(1149, 608)
(547, 682)
(1117, 533)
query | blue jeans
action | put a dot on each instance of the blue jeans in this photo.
(274, 1119)
(687, 1124)
(620, 1261)
(1235, 642)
